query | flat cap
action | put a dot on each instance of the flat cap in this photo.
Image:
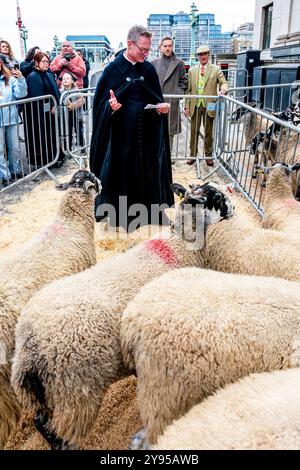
(202, 49)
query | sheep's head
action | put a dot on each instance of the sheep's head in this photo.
(280, 172)
(283, 167)
(241, 111)
(200, 206)
(83, 179)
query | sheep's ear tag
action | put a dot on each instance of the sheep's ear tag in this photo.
(260, 170)
(181, 195)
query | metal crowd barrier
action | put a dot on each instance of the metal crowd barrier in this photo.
(254, 138)
(243, 137)
(76, 123)
(274, 98)
(29, 139)
(180, 143)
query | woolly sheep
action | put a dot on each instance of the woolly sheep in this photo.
(286, 150)
(282, 211)
(258, 412)
(242, 246)
(192, 331)
(64, 247)
(67, 338)
(278, 143)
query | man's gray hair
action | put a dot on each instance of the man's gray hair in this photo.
(135, 33)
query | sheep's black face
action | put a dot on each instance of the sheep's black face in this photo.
(217, 204)
(83, 179)
(285, 167)
(240, 112)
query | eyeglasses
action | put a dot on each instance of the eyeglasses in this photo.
(142, 49)
(45, 61)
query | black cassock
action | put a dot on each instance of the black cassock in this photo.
(130, 147)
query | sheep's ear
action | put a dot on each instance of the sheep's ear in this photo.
(296, 167)
(178, 189)
(62, 186)
(87, 186)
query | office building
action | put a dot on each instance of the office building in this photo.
(242, 38)
(189, 31)
(277, 30)
(96, 48)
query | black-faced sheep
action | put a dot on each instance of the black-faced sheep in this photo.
(64, 247)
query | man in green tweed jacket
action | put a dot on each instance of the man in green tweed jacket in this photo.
(204, 79)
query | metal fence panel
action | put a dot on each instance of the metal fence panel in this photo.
(242, 136)
(29, 138)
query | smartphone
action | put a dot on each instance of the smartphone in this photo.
(16, 67)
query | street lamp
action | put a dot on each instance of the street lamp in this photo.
(24, 36)
(193, 17)
(56, 43)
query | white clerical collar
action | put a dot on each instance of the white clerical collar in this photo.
(124, 54)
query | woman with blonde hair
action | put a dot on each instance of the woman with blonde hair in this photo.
(7, 55)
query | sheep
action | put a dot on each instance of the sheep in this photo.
(258, 412)
(282, 211)
(287, 150)
(192, 331)
(242, 246)
(279, 144)
(255, 124)
(67, 338)
(240, 111)
(64, 247)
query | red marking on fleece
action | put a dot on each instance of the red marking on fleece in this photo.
(290, 202)
(160, 248)
(54, 230)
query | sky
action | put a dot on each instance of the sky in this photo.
(113, 18)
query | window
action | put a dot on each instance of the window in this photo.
(268, 10)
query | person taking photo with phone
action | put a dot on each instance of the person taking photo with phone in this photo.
(68, 61)
(7, 56)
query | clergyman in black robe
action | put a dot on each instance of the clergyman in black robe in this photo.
(130, 148)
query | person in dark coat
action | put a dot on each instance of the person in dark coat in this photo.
(27, 66)
(130, 147)
(87, 68)
(39, 121)
(173, 81)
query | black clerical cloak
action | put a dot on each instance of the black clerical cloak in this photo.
(130, 147)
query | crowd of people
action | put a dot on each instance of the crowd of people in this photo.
(133, 127)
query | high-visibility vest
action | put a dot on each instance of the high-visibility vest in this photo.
(201, 80)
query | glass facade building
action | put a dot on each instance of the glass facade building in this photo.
(179, 27)
(96, 48)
